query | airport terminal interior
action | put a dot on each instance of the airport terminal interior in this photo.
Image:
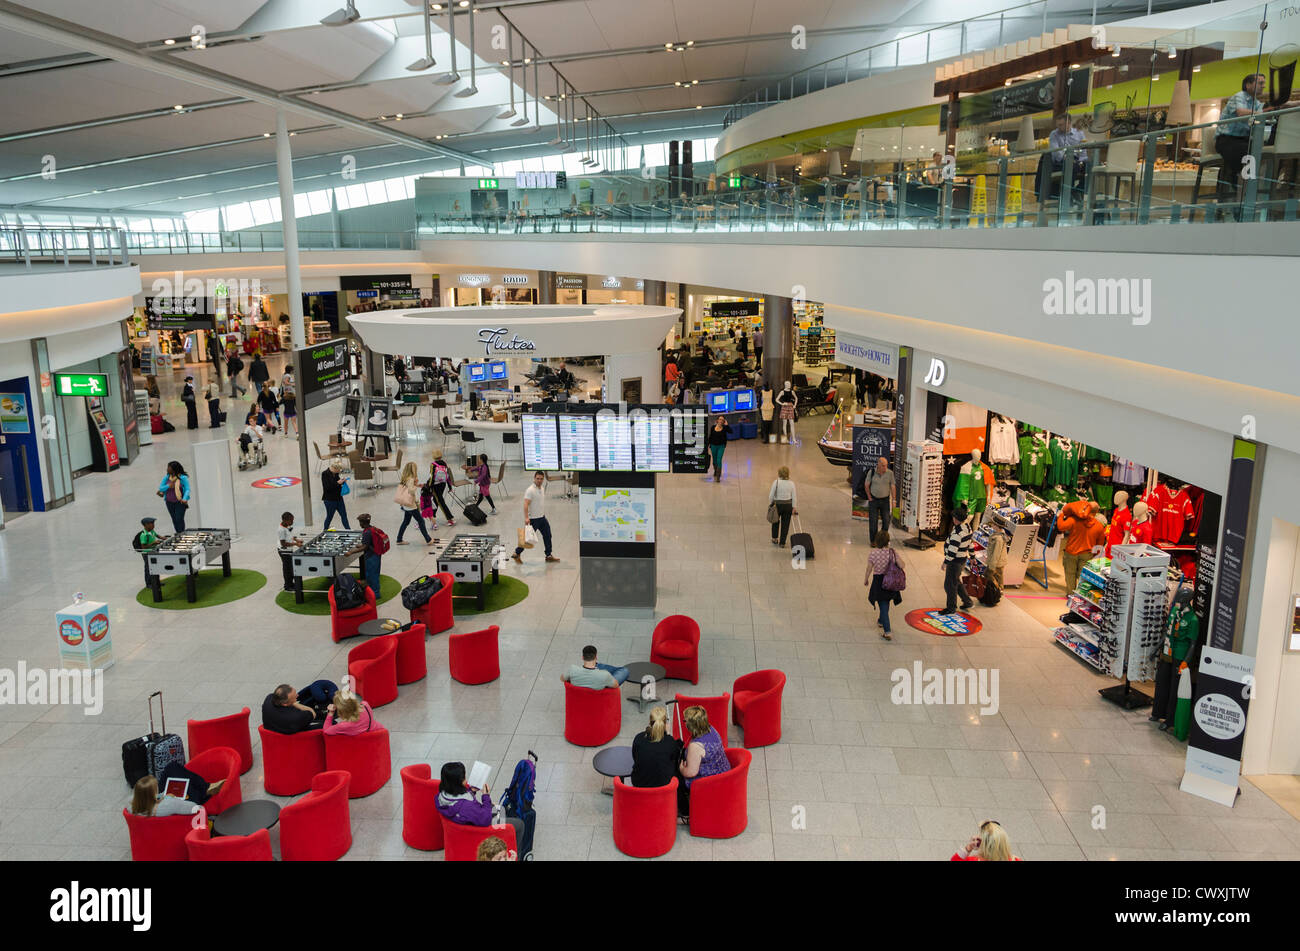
(592, 430)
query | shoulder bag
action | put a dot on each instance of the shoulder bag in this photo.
(773, 515)
(895, 578)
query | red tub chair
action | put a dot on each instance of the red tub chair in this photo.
(318, 827)
(645, 820)
(474, 657)
(344, 623)
(158, 838)
(231, 731)
(367, 756)
(592, 717)
(715, 707)
(719, 803)
(373, 668)
(675, 645)
(291, 760)
(220, 762)
(462, 840)
(756, 706)
(436, 614)
(229, 848)
(411, 662)
(421, 821)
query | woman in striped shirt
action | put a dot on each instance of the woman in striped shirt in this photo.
(878, 562)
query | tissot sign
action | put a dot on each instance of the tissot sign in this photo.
(500, 340)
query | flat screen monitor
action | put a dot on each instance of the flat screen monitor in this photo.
(541, 447)
(742, 400)
(497, 370)
(477, 372)
(613, 442)
(717, 401)
(651, 443)
(577, 443)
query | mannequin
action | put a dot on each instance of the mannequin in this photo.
(1181, 633)
(1119, 521)
(1142, 530)
(974, 484)
(788, 401)
(765, 411)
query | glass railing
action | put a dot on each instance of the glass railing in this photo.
(96, 247)
(1011, 24)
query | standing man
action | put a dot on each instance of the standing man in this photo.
(758, 345)
(879, 485)
(955, 552)
(234, 366)
(287, 544)
(258, 372)
(191, 402)
(1233, 140)
(1083, 531)
(370, 549)
(742, 344)
(535, 515)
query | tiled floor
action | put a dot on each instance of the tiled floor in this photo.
(855, 775)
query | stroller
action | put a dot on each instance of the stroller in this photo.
(518, 802)
(252, 452)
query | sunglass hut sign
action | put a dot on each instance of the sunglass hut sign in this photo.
(500, 340)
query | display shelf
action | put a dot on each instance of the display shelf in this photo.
(1066, 638)
(1085, 608)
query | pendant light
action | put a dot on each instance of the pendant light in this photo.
(472, 88)
(559, 138)
(450, 78)
(510, 72)
(426, 61)
(523, 103)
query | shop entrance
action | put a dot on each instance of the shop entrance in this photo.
(15, 489)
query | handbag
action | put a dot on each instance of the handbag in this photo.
(524, 540)
(405, 497)
(345, 488)
(773, 513)
(895, 578)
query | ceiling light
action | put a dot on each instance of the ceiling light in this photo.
(383, 118)
(1074, 65)
(201, 46)
(677, 82)
(398, 117)
(527, 60)
(179, 108)
(462, 4)
(1196, 69)
(1006, 82)
(668, 46)
(1115, 51)
(340, 17)
(690, 42)
(437, 6)
(292, 134)
(695, 82)
(1173, 52)
(266, 135)
(169, 42)
(699, 107)
(438, 136)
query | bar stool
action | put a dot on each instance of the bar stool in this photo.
(511, 439)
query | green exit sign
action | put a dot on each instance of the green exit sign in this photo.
(81, 384)
(733, 181)
(489, 183)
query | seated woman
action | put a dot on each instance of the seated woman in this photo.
(705, 756)
(348, 716)
(493, 849)
(146, 801)
(655, 752)
(469, 806)
(989, 845)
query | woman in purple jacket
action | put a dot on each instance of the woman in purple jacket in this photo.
(469, 806)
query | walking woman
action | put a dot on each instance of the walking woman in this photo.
(289, 400)
(333, 487)
(880, 559)
(408, 497)
(439, 479)
(782, 494)
(174, 489)
(269, 405)
(718, 436)
(482, 480)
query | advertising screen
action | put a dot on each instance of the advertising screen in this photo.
(477, 372)
(541, 448)
(718, 401)
(577, 443)
(498, 370)
(742, 400)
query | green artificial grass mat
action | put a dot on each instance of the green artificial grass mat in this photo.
(212, 588)
(319, 604)
(497, 597)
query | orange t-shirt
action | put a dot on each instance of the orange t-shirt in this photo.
(1083, 532)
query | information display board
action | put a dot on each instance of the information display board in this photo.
(179, 313)
(741, 401)
(613, 443)
(651, 443)
(577, 443)
(498, 370)
(477, 372)
(541, 447)
(324, 373)
(616, 514)
(690, 432)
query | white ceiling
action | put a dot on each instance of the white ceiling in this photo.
(280, 46)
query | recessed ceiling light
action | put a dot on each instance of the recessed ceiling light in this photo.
(437, 6)
(695, 82)
(179, 108)
(462, 4)
(668, 46)
(398, 117)
(505, 62)
(690, 42)
(266, 135)
(292, 134)
(169, 42)
(699, 107)
(383, 118)
(527, 60)
(677, 82)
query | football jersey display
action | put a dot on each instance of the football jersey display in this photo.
(1170, 510)
(1033, 461)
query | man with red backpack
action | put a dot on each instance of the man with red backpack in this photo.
(374, 545)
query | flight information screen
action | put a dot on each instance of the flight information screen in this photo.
(577, 443)
(541, 446)
(651, 443)
(613, 443)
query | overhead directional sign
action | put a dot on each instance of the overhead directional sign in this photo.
(324, 372)
(81, 384)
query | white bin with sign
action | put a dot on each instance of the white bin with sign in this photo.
(84, 638)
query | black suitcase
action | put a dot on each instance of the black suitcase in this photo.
(152, 753)
(474, 514)
(802, 541)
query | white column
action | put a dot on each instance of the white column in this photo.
(628, 366)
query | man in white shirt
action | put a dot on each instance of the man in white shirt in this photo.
(1062, 137)
(287, 544)
(535, 515)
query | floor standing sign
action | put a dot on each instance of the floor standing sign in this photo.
(84, 641)
(1218, 729)
(1235, 543)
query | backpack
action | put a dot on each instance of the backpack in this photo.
(518, 798)
(347, 592)
(441, 474)
(418, 592)
(379, 541)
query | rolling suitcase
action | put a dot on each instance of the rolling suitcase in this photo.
(162, 749)
(802, 540)
(474, 514)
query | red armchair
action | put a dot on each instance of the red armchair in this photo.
(715, 707)
(645, 819)
(474, 657)
(462, 840)
(411, 662)
(318, 827)
(436, 614)
(229, 848)
(231, 731)
(421, 821)
(345, 623)
(220, 762)
(675, 645)
(367, 756)
(756, 706)
(720, 803)
(158, 838)
(291, 760)
(373, 669)
(592, 717)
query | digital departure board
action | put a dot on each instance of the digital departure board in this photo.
(577, 443)
(541, 446)
(613, 443)
(651, 443)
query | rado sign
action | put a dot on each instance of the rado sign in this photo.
(496, 341)
(514, 280)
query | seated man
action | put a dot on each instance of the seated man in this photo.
(594, 675)
(145, 539)
(282, 713)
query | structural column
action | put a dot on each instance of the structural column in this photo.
(654, 293)
(778, 340)
(546, 287)
(293, 287)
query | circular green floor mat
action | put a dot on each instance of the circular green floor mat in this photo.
(506, 592)
(212, 587)
(319, 604)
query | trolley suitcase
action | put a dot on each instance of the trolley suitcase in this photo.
(156, 424)
(138, 752)
(802, 540)
(162, 749)
(474, 514)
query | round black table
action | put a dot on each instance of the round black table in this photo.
(613, 761)
(246, 818)
(637, 670)
(376, 627)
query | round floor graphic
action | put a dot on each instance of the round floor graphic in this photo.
(276, 482)
(945, 625)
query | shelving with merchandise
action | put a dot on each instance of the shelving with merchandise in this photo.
(923, 485)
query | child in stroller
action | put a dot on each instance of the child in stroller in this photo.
(252, 451)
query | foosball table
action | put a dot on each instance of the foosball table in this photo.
(471, 558)
(324, 556)
(187, 553)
